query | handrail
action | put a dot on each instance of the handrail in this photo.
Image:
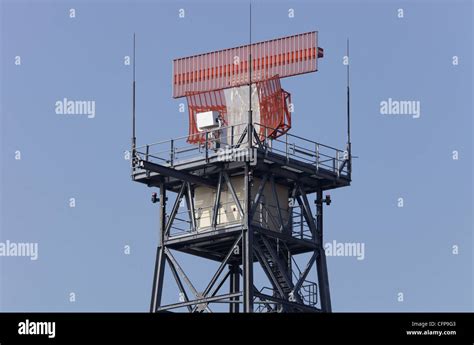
(185, 136)
(298, 137)
(179, 150)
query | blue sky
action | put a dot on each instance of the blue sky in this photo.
(81, 249)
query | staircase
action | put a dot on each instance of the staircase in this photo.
(279, 275)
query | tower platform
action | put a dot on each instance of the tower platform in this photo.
(289, 160)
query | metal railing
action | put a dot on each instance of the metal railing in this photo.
(299, 226)
(309, 293)
(178, 150)
(292, 146)
(264, 306)
(265, 216)
(204, 216)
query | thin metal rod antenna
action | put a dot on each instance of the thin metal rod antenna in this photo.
(348, 107)
(134, 138)
(250, 127)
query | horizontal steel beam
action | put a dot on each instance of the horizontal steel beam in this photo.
(286, 238)
(203, 236)
(199, 301)
(302, 307)
(178, 174)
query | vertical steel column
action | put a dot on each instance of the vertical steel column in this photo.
(247, 240)
(234, 287)
(160, 255)
(321, 264)
(247, 246)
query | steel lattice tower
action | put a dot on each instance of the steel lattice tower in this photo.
(246, 187)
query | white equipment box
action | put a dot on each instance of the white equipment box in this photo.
(207, 120)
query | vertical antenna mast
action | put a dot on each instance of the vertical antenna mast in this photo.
(250, 126)
(348, 111)
(134, 138)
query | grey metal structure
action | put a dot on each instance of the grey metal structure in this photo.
(305, 168)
